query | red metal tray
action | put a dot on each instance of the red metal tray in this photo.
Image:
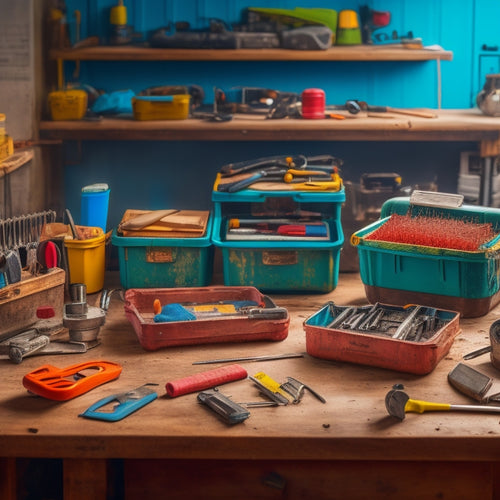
(377, 350)
(140, 312)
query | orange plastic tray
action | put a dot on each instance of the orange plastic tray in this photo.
(377, 350)
(140, 312)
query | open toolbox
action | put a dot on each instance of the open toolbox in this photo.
(279, 241)
(399, 273)
(166, 253)
(217, 318)
(410, 339)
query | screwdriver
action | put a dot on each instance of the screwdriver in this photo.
(302, 230)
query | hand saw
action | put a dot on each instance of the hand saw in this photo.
(61, 384)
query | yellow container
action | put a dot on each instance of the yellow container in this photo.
(165, 107)
(68, 104)
(6, 147)
(2, 127)
(86, 261)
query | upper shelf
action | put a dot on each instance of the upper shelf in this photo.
(391, 52)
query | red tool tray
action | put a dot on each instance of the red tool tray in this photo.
(139, 311)
(376, 350)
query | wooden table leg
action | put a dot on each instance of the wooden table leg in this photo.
(8, 478)
(84, 478)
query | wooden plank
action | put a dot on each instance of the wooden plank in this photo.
(352, 425)
(84, 479)
(451, 125)
(15, 161)
(315, 479)
(348, 53)
(8, 475)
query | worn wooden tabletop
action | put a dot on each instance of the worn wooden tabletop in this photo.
(352, 425)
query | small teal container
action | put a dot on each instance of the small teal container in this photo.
(94, 206)
(165, 262)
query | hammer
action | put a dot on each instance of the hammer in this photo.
(397, 403)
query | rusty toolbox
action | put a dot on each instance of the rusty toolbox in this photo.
(411, 339)
(167, 317)
(160, 257)
(19, 301)
(279, 241)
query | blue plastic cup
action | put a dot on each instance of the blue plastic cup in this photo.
(94, 206)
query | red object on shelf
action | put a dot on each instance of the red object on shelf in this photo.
(313, 104)
(205, 380)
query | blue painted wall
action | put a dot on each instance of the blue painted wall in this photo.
(180, 175)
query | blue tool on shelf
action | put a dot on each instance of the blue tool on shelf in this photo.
(128, 402)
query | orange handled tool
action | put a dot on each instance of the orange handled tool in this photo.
(61, 384)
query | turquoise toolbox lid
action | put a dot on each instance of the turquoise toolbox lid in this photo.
(257, 196)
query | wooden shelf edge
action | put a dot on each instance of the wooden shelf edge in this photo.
(451, 125)
(348, 53)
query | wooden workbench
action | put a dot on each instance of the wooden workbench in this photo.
(347, 448)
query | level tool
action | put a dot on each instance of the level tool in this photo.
(61, 384)
(127, 403)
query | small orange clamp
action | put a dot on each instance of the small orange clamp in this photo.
(61, 384)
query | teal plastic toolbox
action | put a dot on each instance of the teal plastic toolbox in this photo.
(463, 281)
(284, 264)
(152, 262)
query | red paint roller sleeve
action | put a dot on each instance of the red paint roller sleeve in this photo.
(205, 380)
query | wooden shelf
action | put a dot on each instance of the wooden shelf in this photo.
(450, 125)
(394, 52)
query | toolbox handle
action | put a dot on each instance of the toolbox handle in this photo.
(436, 199)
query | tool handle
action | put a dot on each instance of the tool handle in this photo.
(144, 220)
(418, 406)
(72, 225)
(239, 185)
(121, 411)
(205, 380)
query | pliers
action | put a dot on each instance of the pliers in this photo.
(278, 175)
(288, 162)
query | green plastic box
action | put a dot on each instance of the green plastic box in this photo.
(468, 282)
(165, 262)
(287, 266)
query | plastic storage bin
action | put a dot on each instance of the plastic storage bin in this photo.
(165, 262)
(223, 329)
(68, 104)
(287, 265)
(464, 281)
(377, 350)
(169, 107)
(87, 261)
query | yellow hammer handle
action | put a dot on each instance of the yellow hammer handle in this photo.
(417, 406)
